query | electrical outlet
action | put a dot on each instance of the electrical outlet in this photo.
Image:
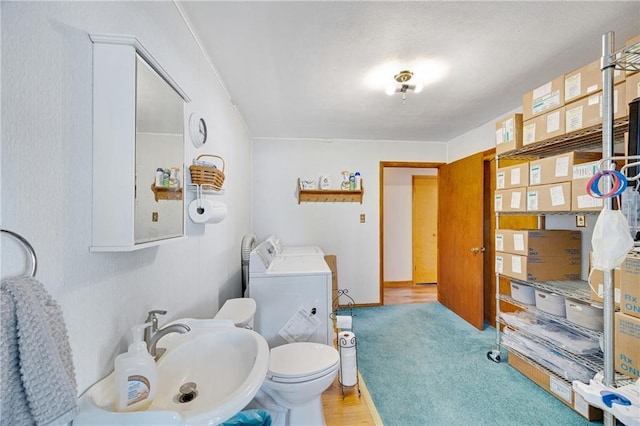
(581, 221)
(154, 217)
(362, 218)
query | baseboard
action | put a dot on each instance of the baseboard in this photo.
(398, 284)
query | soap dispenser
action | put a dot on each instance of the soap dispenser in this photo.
(135, 374)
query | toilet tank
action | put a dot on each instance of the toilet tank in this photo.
(240, 311)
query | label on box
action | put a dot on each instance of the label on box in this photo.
(572, 86)
(500, 180)
(593, 88)
(616, 293)
(583, 171)
(518, 242)
(499, 264)
(557, 195)
(499, 242)
(535, 175)
(529, 133)
(499, 139)
(593, 100)
(559, 388)
(498, 203)
(580, 404)
(508, 130)
(545, 102)
(515, 200)
(515, 176)
(532, 201)
(587, 202)
(516, 264)
(574, 119)
(553, 122)
(562, 166)
(545, 89)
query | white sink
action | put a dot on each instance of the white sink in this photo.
(227, 365)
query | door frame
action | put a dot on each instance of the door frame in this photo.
(393, 164)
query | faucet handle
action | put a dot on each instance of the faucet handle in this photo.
(151, 316)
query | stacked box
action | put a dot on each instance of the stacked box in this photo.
(513, 176)
(633, 87)
(555, 197)
(581, 200)
(630, 286)
(627, 344)
(558, 168)
(542, 99)
(544, 126)
(509, 134)
(596, 279)
(510, 200)
(587, 112)
(538, 268)
(631, 42)
(586, 81)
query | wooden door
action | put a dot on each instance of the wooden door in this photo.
(425, 229)
(460, 238)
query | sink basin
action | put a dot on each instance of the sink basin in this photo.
(226, 364)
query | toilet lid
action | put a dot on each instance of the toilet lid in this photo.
(301, 361)
(238, 310)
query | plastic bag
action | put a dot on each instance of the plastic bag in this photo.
(249, 417)
(611, 240)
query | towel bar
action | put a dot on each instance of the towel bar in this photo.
(27, 246)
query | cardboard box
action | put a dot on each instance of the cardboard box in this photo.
(539, 268)
(539, 242)
(633, 41)
(627, 344)
(543, 127)
(587, 112)
(630, 286)
(332, 262)
(586, 81)
(513, 176)
(555, 197)
(596, 277)
(557, 387)
(510, 200)
(542, 99)
(581, 200)
(633, 87)
(509, 134)
(558, 168)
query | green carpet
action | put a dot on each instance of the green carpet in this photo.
(424, 365)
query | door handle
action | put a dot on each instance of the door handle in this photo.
(476, 250)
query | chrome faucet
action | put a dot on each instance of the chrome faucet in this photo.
(152, 333)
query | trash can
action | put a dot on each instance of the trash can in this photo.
(249, 417)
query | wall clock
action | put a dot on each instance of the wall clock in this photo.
(197, 130)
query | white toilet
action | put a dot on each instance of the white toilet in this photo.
(298, 372)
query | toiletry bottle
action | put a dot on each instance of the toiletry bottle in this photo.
(174, 182)
(135, 374)
(165, 178)
(358, 181)
(352, 181)
(159, 176)
(345, 180)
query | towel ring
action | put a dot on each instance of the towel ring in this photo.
(27, 246)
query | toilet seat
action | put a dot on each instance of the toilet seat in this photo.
(301, 362)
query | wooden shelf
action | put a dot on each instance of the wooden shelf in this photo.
(330, 195)
(162, 193)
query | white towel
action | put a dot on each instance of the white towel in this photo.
(37, 381)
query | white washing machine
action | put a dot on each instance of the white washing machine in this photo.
(293, 296)
(293, 250)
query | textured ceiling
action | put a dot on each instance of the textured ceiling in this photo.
(297, 69)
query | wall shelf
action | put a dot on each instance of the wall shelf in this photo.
(162, 193)
(330, 195)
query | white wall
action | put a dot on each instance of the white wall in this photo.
(333, 226)
(46, 175)
(398, 221)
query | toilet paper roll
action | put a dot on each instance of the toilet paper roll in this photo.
(348, 362)
(207, 211)
(343, 322)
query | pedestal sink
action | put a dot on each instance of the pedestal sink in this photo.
(205, 377)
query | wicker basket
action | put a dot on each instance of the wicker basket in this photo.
(206, 175)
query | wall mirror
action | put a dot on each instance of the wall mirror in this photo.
(138, 148)
(159, 205)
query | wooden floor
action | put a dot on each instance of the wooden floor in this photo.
(353, 409)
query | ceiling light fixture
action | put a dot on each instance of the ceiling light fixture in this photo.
(402, 79)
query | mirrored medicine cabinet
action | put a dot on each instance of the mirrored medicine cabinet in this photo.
(138, 131)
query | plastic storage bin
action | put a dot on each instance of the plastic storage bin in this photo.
(585, 315)
(523, 293)
(550, 303)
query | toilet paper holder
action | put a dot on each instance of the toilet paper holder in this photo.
(347, 343)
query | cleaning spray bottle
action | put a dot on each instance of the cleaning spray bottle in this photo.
(135, 374)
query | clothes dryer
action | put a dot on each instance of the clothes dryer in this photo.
(293, 296)
(293, 250)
